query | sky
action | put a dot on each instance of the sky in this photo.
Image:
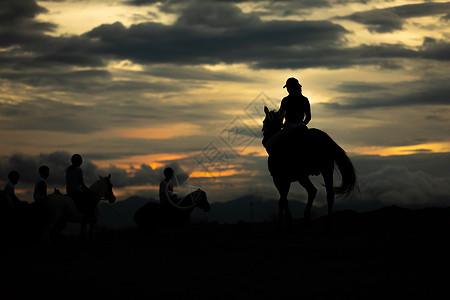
(135, 86)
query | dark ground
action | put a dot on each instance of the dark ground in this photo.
(391, 253)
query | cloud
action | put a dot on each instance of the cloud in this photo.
(48, 115)
(401, 186)
(418, 180)
(157, 43)
(429, 91)
(216, 15)
(393, 18)
(17, 24)
(28, 165)
(204, 33)
(58, 162)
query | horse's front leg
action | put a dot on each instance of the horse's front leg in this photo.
(283, 186)
(312, 192)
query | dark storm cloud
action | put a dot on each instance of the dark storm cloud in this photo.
(17, 24)
(28, 165)
(175, 5)
(435, 49)
(216, 15)
(358, 87)
(205, 33)
(393, 18)
(222, 33)
(83, 81)
(431, 91)
(31, 47)
(158, 43)
(48, 115)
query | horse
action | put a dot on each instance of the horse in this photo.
(61, 209)
(306, 151)
(20, 221)
(153, 214)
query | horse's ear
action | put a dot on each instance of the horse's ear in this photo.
(109, 176)
(266, 110)
(100, 176)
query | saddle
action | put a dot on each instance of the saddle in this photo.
(85, 202)
(294, 154)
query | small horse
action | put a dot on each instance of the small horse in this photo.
(306, 152)
(62, 209)
(153, 214)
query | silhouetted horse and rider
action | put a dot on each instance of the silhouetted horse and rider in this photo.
(173, 210)
(51, 213)
(296, 152)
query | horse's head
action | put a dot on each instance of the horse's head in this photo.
(202, 200)
(272, 123)
(103, 188)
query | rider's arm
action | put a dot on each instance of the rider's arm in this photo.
(307, 112)
(81, 181)
(283, 105)
(164, 192)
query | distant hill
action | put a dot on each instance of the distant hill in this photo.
(248, 208)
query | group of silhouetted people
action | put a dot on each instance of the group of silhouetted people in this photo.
(75, 187)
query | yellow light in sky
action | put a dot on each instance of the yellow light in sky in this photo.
(403, 150)
(78, 17)
(161, 132)
(153, 160)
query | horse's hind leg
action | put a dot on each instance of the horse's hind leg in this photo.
(312, 192)
(283, 206)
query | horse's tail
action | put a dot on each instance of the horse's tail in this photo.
(348, 173)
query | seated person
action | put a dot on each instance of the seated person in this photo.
(166, 190)
(297, 112)
(13, 179)
(76, 189)
(40, 188)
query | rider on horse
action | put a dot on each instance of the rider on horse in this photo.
(296, 110)
(13, 179)
(166, 194)
(75, 187)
